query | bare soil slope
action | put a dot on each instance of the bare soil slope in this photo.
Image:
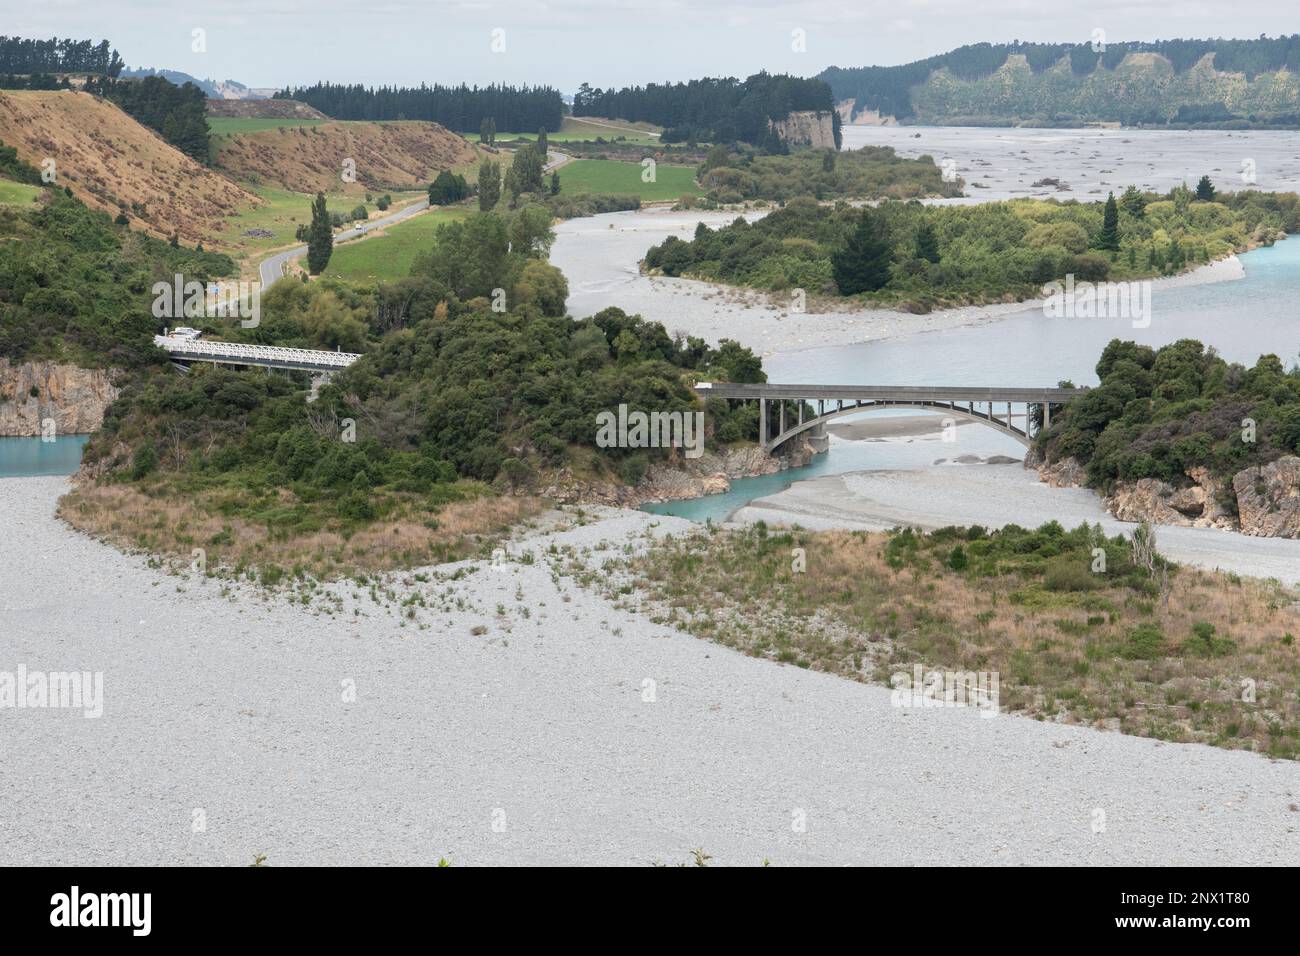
(398, 155)
(113, 163)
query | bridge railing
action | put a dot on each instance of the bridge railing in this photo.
(240, 354)
(887, 393)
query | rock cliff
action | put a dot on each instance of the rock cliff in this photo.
(1262, 501)
(73, 398)
(807, 128)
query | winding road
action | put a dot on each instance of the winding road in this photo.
(271, 269)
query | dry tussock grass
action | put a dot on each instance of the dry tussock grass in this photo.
(1107, 655)
(110, 161)
(408, 536)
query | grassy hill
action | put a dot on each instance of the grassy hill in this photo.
(308, 159)
(114, 164)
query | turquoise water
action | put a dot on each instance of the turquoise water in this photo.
(25, 457)
(1243, 319)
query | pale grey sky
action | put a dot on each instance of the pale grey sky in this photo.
(604, 42)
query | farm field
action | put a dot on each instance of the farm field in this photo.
(577, 130)
(612, 176)
(281, 215)
(389, 256)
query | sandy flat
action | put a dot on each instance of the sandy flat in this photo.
(232, 705)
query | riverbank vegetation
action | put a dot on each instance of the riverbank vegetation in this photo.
(1079, 627)
(1160, 412)
(474, 387)
(924, 257)
(732, 175)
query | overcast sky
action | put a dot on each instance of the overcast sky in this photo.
(604, 42)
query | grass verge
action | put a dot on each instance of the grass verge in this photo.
(389, 255)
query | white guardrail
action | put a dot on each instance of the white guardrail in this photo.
(234, 353)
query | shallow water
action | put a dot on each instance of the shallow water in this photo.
(1001, 163)
(28, 457)
(1242, 319)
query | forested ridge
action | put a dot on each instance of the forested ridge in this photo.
(460, 108)
(21, 56)
(722, 109)
(889, 89)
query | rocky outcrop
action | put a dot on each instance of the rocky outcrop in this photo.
(1268, 499)
(1066, 473)
(73, 399)
(806, 128)
(710, 474)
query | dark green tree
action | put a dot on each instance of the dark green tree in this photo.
(487, 131)
(1134, 202)
(862, 263)
(320, 237)
(525, 175)
(489, 185)
(448, 188)
(555, 184)
(927, 243)
(1205, 191)
(1109, 238)
(542, 144)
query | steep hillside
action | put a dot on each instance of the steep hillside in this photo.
(308, 159)
(113, 163)
(1183, 82)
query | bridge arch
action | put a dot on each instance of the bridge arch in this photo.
(980, 404)
(946, 408)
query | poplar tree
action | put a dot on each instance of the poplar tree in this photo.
(320, 237)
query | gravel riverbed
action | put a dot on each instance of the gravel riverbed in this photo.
(533, 741)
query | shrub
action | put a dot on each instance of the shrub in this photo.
(1146, 642)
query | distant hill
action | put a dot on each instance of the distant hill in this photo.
(213, 89)
(396, 155)
(113, 163)
(1228, 83)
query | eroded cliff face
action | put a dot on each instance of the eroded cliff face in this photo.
(73, 398)
(864, 117)
(710, 474)
(807, 128)
(1266, 498)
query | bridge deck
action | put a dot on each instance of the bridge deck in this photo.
(887, 393)
(270, 356)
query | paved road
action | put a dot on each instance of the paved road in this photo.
(271, 268)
